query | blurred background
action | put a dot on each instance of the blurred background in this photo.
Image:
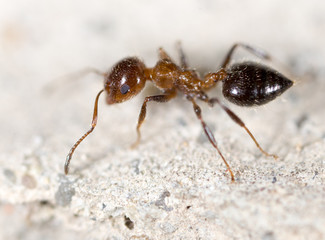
(41, 41)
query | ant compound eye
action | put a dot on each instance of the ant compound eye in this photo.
(125, 88)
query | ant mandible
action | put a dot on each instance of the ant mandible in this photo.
(244, 84)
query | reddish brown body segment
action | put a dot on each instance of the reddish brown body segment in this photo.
(245, 84)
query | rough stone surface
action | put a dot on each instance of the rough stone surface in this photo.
(174, 185)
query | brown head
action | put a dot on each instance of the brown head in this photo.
(126, 79)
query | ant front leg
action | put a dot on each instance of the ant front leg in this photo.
(87, 71)
(237, 120)
(257, 52)
(182, 57)
(163, 55)
(210, 136)
(143, 112)
(50, 87)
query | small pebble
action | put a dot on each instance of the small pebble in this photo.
(10, 175)
(64, 194)
(28, 181)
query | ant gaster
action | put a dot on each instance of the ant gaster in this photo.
(244, 84)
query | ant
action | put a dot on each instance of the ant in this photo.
(245, 84)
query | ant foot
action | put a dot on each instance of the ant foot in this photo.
(135, 144)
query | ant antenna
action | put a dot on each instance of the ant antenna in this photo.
(50, 87)
(93, 125)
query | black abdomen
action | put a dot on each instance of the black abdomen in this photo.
(249, 84)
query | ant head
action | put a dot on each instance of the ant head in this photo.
(125, 80)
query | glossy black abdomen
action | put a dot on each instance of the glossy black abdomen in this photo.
(251, 84)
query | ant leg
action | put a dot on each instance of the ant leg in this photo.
(93, 125)
(182, 57)
(142, 115)
(210, 136)
(163, 55)
(257, 52)
(86, 71)
(73, 76)
(237, 120)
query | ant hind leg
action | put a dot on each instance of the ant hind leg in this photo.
(256, 51)
(237, 120)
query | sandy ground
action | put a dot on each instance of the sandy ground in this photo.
(174, 185)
